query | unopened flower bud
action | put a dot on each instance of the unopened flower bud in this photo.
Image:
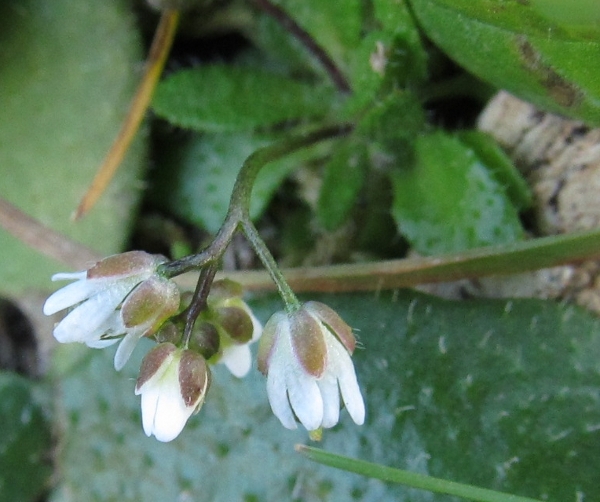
(173, 383)
(236, 325)
(306, 357)
(205, 339)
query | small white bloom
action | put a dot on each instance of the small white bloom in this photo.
(306, 357)
(236, 325)
(237, 357)
(173, 383)
(120, 297)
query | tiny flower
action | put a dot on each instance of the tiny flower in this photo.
(121, 297)
(236, 325)
(173, 383)
(306, 357)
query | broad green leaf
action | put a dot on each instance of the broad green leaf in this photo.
(510, 46)
(501, 167)
(229, 99)
(26, 440)
(194, 176)
(501, 395)
(68, 73)
(344, 176)
(449, 201)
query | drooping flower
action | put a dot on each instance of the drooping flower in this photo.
(173, 383)
(306, 357)
(119, 298)
(235, 324)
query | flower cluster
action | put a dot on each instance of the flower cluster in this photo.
(121, 298)
(305, 352)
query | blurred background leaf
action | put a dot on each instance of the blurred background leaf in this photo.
(26, 441)
(68, 73)
(195, 174)
(499, 394)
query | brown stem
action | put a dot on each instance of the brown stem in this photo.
(45, 240)
(199, 300)
(519, 257)
(291, 26)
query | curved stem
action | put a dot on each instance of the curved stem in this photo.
(289, 298)
(239, 205)
(199, 301)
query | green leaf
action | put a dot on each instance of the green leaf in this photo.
(229, 99)
(448, 201)
(68, 73)
(509, 45)
(501, 395)
(344, 176)
(500, 165)
(26, 440)
(195, 175)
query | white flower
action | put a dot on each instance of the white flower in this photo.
(121, 297)
(306, 357)
(173, 383)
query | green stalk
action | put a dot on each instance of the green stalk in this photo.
(289, 298)
(407, 478)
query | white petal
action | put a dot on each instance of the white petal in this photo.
(238, 360)
(81, 324)
(72, 294)
(150, 398)
(305, 398)
(331, 400)
(101, 344)
(126, 348)
(112, 327)
(68, 276)
(171, 415)
(349, 389)
(277, 393)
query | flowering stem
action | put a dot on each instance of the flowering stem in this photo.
(239, 205)
(198, 302)
(289, 298)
